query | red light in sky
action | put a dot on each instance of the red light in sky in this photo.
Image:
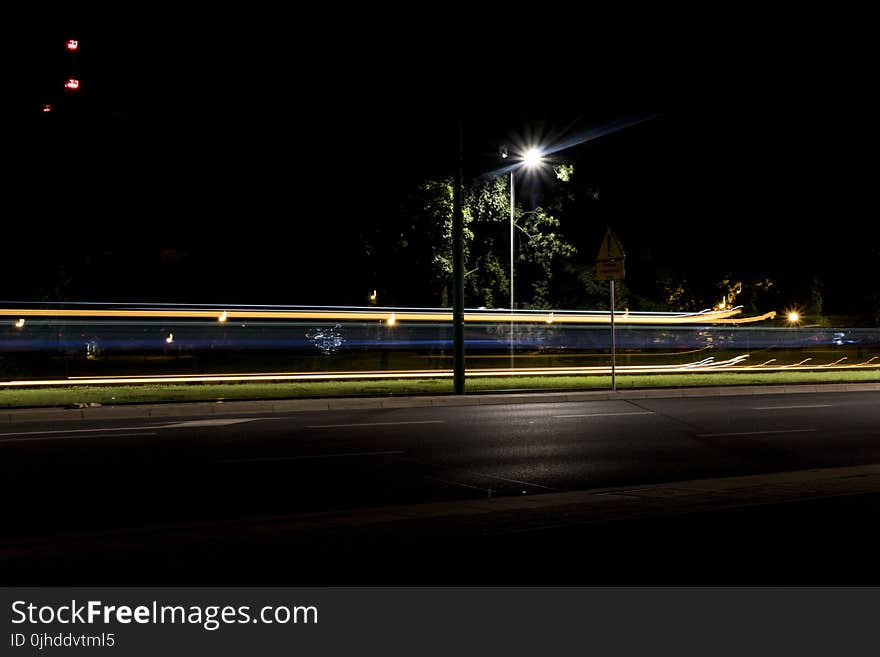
(72, 44)
(72, 84)
(47, 107)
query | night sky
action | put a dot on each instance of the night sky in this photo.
(230, 158)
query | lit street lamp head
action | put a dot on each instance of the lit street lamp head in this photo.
(532, 158)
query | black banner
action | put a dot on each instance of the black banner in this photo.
(449, 621)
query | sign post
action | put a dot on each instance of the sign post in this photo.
(613, 343)
(609, 267)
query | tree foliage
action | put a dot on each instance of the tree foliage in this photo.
(409, 253)
(542, 247)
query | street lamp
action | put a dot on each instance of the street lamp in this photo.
(530, 159)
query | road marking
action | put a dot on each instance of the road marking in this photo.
(43, 433)
(782, 408)
(455, 483)
(175, 425)
(752, 433)
(372, 424)
(311, 456)
(214, 423)
(513, 481)
(608, 414)
(39, 438)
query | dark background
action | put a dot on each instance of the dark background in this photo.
(232, 157)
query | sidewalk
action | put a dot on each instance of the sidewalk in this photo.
(183, 409)
(468, 518)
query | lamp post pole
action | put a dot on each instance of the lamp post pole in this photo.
(512, 220)
(458, 270)
(512, 304)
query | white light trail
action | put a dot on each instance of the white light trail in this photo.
(730, 365)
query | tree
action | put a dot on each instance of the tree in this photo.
(539, 247)
(407, 252)
(410, 251)
(542, 247)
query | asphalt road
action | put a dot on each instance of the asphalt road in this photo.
(68, 478)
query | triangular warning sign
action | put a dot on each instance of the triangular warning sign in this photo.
(610, 249)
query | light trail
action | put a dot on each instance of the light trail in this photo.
(26, 318)
(393, 316)
(798, 364)
(740, 320)
(707, 365)
(240, 306)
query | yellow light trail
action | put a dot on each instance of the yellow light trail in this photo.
(742, 320)
(392, 317)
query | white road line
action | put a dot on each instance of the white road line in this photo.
(175, 425)
(43, 433)
(513, 481)
(310, 456)
(455, 483)
(214, 423)
(608, 414)
(42, 438)
(372, 424)
(783, 408)
(752, 433)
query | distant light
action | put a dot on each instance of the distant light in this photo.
(391, 321)
(19, 323)
(373, 297)
(532, 158)
(550, 319)
(72, 84)
(170, 338)
(793, 317)
(503, 152)
(223, 317)
(72, 44)
(47, 107)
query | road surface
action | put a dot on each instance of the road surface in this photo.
(74, 489)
